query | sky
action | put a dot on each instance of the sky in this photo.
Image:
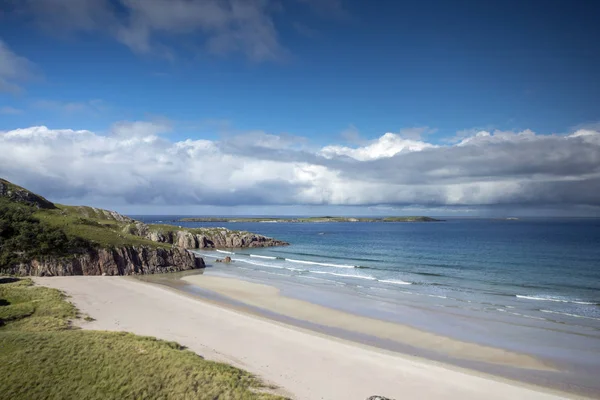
(304, 107)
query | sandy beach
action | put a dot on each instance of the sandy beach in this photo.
(269, 298)
(302, 364)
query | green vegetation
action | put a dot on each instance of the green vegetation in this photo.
(32, 228)
(313, 219)
(43, 356)
(27, 232)
(23, 236)
(93, 225)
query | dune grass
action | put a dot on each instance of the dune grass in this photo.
(42, 356)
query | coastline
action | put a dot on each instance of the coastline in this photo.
(280, 354)
(269, 298)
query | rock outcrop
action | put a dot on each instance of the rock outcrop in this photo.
(20, 195)
(204, 238)
(126, 260)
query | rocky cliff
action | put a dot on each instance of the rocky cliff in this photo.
(203, 238)
(126, 260)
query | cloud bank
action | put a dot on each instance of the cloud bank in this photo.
(135, 163)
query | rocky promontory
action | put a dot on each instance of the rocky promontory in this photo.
(202, 238)
(38, 237)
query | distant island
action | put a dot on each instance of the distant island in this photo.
(311, 219)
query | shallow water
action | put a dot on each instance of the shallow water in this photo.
(531, 286)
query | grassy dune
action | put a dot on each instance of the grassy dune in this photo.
(43, 356)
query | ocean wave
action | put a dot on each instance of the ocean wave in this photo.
(428, 274)
(326, 256)
(394, 281)
(555, 299)
(259, 256)
(569, 314)
(370, 278)
(521, 315)
(225, 252)
(272, 273)
(318, 263)
(258, 264)
(315, 278)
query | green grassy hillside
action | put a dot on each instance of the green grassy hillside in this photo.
(31, 228)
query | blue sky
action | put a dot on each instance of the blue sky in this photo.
(449, 65)
(329, 72)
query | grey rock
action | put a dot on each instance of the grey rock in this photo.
(126, 260)
(203, 238)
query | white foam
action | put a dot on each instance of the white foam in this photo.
(273, 273)
(225, 252)
(521, 315)
(395, 281)
(318, 263)
(257, 263)
(570, 315)
(370, 278)
(556, 299)
(315, 278)
(267, 257)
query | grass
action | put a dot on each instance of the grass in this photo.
(93, 225)
(28, 308)
(43, 356)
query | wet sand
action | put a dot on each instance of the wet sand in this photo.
(303, 364)
(268, 297)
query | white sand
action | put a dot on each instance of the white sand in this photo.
(303, 364)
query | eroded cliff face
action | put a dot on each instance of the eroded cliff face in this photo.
(126, 260)
(210, 238)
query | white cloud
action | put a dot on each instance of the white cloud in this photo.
(136, 163)
(387, 145)
(13, 69)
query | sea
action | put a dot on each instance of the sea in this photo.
(530, 285)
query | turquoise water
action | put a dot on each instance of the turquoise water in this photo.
(530, 285)
(543, 268)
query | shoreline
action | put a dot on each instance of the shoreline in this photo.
(279, 354)
(266, 297)
(238, 294)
